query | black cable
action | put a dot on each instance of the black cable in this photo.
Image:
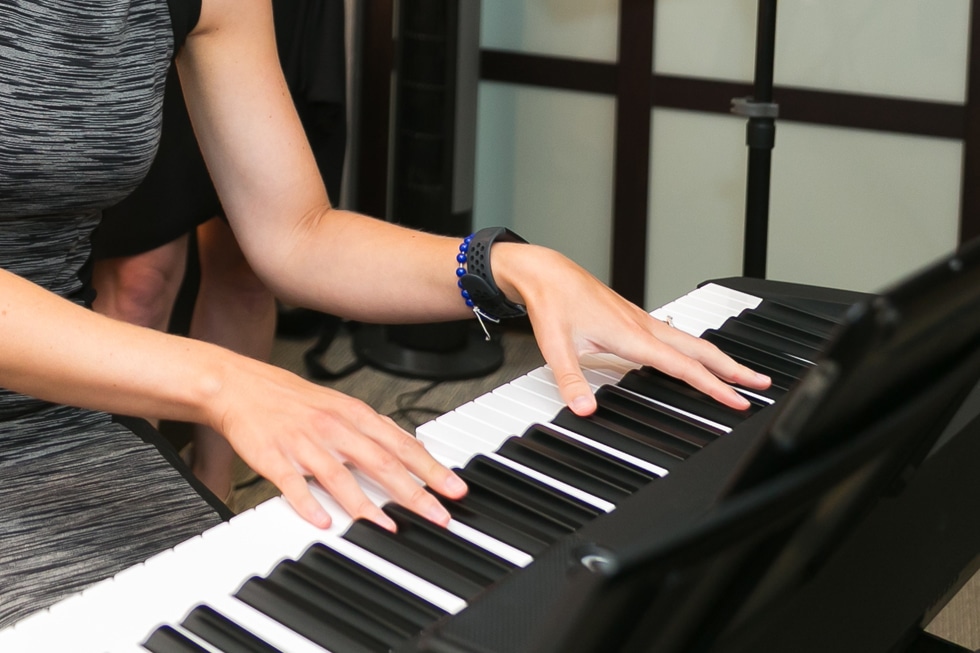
(311, 357)
(404, 408)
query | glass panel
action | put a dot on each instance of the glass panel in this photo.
(905, 48)
(849, 209)
(697, 191)
(544, 169)
(579, 29)
(856, 209)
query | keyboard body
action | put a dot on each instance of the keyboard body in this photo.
(506, 614)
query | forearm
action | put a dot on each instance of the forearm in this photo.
(60, 352)
(367, 269)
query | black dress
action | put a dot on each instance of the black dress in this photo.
(83, 494)
(177, 194)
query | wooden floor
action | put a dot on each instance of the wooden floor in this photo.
(412, 402)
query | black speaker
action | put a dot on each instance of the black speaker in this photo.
(437, 61)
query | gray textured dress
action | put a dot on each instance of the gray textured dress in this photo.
(82, 495)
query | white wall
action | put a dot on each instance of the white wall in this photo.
(849, 208)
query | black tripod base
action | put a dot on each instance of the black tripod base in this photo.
(439, 352)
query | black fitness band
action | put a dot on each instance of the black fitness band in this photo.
(475, 279)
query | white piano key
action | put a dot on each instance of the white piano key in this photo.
(489, 543)
(680, 411)
(615, 453)
(453, 457)
(595, 379)
(512, 391)
(687, 323)
(197, 640)
(466, 424)
(447, 454)
(441, 436)
(506, 406)
(481, 413)
(262, 626)
(538, 387)
(694, 312)
(735, 301)
(472, 440)
(418, 586)
(697, 312)
(753, 395)
(561, 486)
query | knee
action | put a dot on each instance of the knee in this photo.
(137, 292)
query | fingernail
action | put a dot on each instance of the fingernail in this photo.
(581, 404)
(385, 522)
(436, 513)
(455, 484)
(321, 518)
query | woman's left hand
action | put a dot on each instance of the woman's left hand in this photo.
(573, 313)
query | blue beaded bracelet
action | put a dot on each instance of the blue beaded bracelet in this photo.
(475, 280)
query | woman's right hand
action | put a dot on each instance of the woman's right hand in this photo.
(287, 429)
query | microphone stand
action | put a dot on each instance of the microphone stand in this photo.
(760, 137)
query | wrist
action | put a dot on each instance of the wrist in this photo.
(213, 385)
(477, 280)
(525, 273)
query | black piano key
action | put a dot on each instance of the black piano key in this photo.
(769, 341)
(499, 521)
(619, 433)
(817, 323)
(657, 385)
(509, 482)
(167, 640)
(510, 509)
(441, 544)
(333, 632)
(564, 447)
(780, 382)
(341, 601)
(368, 586)
(784, 330)
(532, 455)
(667, 428)
(658, 426)
(757, 356)
(383, 543)
(223, 633)
(601, 431)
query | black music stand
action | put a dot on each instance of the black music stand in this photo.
(850, 450)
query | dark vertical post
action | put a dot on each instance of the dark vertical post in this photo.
(970, 199)
(760, 138)
(634, 103)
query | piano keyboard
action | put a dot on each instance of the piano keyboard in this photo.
(268, 581)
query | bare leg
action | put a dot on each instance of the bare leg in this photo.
(234, 309)
(141, 289)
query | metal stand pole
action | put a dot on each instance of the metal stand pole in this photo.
(761, 138)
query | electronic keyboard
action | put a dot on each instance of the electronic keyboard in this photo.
(540, 478)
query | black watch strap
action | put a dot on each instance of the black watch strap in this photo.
(476, 279)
